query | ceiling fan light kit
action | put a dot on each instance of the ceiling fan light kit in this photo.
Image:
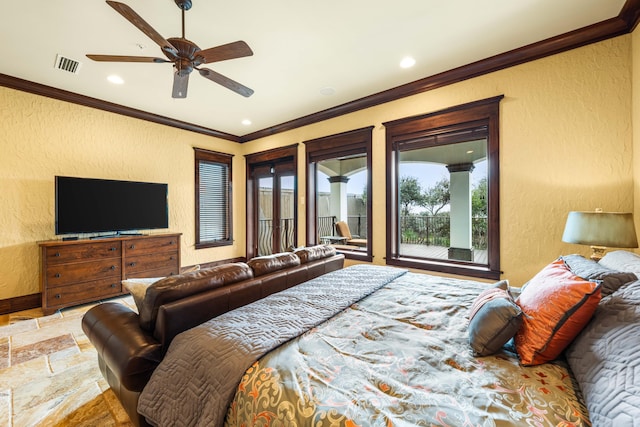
(184, 54)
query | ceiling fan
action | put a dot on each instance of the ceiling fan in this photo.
(184, 54)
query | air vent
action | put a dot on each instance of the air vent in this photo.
(67, 64)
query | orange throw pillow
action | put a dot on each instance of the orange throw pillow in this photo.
(556, 304)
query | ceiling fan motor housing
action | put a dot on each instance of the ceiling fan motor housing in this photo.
(183, 4)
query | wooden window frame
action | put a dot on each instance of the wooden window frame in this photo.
(406, 131)
(224, 159)
(358, 141)
(270, 158)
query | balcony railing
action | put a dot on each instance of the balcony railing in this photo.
(357, 225)
(435, 230)
(265, 235)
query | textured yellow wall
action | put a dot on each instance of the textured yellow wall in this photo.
(565, 144)
(42, 137)
(635, 123)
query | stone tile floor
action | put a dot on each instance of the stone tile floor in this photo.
(49, 373)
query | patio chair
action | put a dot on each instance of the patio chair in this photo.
(343, 230)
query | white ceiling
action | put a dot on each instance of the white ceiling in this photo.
(301, 47)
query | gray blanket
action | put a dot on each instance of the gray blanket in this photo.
(198, 377)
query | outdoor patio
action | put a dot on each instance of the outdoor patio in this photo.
(438, 252)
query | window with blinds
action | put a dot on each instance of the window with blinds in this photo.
(213, 199)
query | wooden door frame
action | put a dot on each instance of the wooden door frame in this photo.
(288, 154)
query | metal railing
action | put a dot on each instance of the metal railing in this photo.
(265, 235)
(435, 230)
(326, 226)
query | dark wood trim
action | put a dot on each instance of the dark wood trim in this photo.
(630, 13)
(408, 132)
(63, 95)
(25, 302)
(624, 23)
(227, 160)
(282, 159)
(357, 141)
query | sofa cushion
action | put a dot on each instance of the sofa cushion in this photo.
(556, 304)
(180, 286)
(269, 263)
(591, 270)
(604, 359)
(313, 253)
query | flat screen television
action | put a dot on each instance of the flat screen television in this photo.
(87, 205)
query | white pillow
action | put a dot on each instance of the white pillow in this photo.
(624, 261)
(138, 288)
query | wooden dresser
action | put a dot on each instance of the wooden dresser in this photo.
(79, 271)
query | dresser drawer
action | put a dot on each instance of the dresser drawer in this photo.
(143, 246)
(160, 272)
(70, 253)
(81, 292)
(63, 274)
(150, 262)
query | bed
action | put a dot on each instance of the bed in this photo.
(381, 346)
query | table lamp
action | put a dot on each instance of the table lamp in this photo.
(600, 230)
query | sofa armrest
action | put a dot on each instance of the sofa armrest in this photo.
(129, 352)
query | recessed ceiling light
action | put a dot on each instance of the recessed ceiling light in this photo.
(407, 62)
(117, 80)
(327, 91)
(246, 122)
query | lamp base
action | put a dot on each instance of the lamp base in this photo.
(597, 252)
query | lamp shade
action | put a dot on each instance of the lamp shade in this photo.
(610, 229)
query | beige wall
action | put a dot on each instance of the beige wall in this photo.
(566, 144)
(635, 123)
(42, 137)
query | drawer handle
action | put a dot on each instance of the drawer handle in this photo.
(58, 296)
(171, 242)
(113, 285)
(57, 275)
(171, 258)
(132, 264)
(57, 254)
(112, 249)
(132, 247)
(113, 267)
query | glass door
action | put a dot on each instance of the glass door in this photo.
(275, 212)
(272, 201)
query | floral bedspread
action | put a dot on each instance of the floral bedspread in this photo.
(400, 357)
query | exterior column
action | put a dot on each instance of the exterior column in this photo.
(460, 216)
(338, 197)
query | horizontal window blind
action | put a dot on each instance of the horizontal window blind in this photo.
(214, 201)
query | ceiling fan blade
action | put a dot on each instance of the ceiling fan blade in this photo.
(131, 16)
(180, 83)
(124, 58)
(226, 82)
(233, 50)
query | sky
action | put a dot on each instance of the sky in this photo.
(427, 175)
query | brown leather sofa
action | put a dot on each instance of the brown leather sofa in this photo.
(130, 345)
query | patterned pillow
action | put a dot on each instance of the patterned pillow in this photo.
(604, 359)
(556, 304)
(494, 319)
(591, 270)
